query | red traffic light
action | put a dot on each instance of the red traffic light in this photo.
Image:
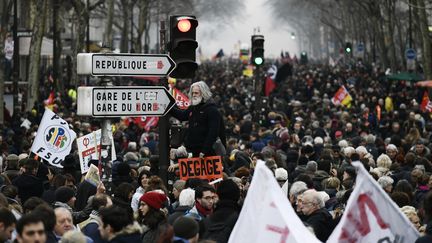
(184, 25)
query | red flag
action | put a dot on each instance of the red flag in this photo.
(269, 86)
(50, 99)
(146, 122)
(426, 104)
(182, 100)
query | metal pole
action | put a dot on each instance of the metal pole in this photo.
(106, 136)
(88, 35)
(410, 24)
(163, 121)
(16, 63)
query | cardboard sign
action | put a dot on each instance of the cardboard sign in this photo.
(207, 168)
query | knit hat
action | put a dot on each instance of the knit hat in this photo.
(64, 194)
(281, 174)
(185, 227)
(155, 200)
(228, 190)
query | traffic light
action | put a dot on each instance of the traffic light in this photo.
(303, 58)
(182, 45)
(257, 55)
(348, 47)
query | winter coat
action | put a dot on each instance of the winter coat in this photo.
(218, 226)
(131, 233)
(322, 223)
(90, 227)
(136, 198)
(152, 235)
(28, 186)
(178, 212)
(427, 238)
(205, 126)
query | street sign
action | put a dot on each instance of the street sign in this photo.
(360, 47)
(25, 33)
(117, 101)
(110, 64)
(410, 54)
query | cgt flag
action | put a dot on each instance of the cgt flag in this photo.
(342, 97)
(54, 139)
(426, 104)
(371, 215)
(267, 216)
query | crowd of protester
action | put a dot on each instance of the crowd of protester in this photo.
(306, 141)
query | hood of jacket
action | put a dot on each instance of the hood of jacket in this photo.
(128, 234)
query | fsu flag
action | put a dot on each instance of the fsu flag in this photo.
(342, 97)
(53, 139)
(371, 215)
(426, 104)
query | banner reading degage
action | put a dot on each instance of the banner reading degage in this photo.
(54, 139)
(207, 168)
(87, 149)
(371, 215)
(267, 216)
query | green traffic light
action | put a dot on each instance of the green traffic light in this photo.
(348, 49)
(258, 60)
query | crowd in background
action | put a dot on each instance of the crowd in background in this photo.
(307, 142)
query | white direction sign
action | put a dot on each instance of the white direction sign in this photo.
(111, 64)
(116, 101)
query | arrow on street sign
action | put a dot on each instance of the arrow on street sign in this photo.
(117, 101)
(111, 64)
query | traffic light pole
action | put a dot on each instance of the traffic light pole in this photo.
(163, 120)
(105, 162)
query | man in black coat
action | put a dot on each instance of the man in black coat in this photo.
(218, 226)
(313, 207)
(205, 121)
(27, 183)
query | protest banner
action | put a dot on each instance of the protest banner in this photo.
(267, 215)
(371, 215)
(87, 149)
(53, 139)
(207, 168)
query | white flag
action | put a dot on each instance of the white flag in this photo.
(54, 139)
(267, 215)
(87, 149)
(371, 215)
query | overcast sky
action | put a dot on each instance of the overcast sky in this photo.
(256, 14)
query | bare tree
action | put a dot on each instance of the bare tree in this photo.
(40, 10)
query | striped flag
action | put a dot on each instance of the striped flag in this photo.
(342, 97)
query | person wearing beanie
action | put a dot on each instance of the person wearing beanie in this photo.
(218, 226)
(65, 198)
(186, 229)
(153, 215)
